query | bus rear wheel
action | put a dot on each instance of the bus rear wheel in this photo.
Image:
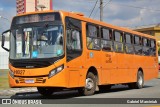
(45, 91)
(139, 83)
(90, 86)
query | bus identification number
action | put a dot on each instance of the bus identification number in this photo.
(109, 60)
(19, 72)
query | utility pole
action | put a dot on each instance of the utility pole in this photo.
(101, 10)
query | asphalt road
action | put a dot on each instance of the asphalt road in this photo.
(151, 90)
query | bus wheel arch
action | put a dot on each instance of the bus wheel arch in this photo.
(91, 82)
(140, 69)
(95, 72)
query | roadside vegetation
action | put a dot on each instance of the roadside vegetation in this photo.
(4, 79)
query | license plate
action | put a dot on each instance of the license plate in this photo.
(29, 81)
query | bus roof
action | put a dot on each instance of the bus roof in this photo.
(127, 30)
(80, 16)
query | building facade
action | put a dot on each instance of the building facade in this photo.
(24, 6)
(153, 30)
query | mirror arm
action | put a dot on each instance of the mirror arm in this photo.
(6, 31)
(5, 49)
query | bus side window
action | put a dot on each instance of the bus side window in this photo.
(118, 41)
(146, 47)
(106, 43)
(93, 39)
(128, 44)
(73, 38)
(137, 45)
(153, 48)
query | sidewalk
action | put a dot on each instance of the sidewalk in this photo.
(5, 90)
(13, 91)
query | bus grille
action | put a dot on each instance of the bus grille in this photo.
(37, 80)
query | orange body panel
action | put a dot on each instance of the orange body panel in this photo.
(112, 67)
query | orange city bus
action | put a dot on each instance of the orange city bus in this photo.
(56, 50)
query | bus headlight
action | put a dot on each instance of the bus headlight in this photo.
(11, 73)
(55, 71)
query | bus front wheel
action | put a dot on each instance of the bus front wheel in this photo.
(90, 86)
(45, 91)
(139, 83)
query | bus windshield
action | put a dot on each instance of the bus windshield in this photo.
(36, 36)
(37, 42)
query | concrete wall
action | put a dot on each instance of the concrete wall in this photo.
(157, 34)
(4, 57)
(4, 60)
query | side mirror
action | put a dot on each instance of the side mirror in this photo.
(4, 34)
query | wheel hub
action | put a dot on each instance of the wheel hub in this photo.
(89, 84)
(140, 80)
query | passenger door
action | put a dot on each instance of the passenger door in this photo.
(73, 50)
(109, 58)
(119, 74)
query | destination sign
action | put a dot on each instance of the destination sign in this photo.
(36, 18)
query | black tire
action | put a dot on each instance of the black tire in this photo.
(92, 85)
(45, 91)
(104, 88)
(139, 83)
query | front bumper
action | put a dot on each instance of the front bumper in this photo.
(58, 80)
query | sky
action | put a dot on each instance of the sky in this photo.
(125, 13)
